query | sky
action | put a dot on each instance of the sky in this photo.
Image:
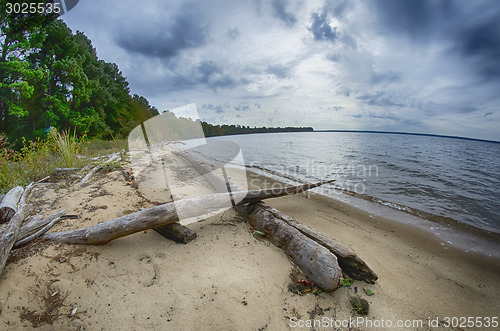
(422, 66)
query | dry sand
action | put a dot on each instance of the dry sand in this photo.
(226, 279)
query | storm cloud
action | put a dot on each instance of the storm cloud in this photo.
(164, 38)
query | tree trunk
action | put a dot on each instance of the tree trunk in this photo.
(318, 263)
(350, 263)
(166, 214)
(8, 206)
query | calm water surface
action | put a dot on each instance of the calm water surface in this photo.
(440, 179)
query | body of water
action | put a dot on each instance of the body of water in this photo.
(442, 180)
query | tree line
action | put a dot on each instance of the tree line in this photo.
(211, 130)
(52, 77)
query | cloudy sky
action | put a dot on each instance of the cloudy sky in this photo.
(418, 66)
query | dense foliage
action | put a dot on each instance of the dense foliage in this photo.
(223, 130)
(52, 77)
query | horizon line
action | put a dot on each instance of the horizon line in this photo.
(412, 134)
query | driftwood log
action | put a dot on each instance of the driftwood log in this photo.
(8, 206)
(350, 263)
(9, 236)
(166, 214)
(177, 232)
(316, 261)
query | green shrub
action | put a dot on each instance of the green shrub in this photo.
(33, 161)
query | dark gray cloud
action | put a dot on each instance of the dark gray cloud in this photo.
(415, 18)
(279, 71)
(385, 78)
(471, 27)
(480, 41)
(233, 33)
(242, 107)
(218, 109)
(380, 98)
(321, 28)
(165, 38)
(280, 11)
(212, 75)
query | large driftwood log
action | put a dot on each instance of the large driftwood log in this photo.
(350, 263)
(9, 236)
(166, 214)
(177, 232)
(8, 206)
(317, 262)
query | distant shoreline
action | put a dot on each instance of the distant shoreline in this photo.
(412, 134)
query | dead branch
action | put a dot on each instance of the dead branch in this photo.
(113, 158)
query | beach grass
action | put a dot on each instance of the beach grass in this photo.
(38, 159)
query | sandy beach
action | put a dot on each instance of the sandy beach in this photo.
(227, 279)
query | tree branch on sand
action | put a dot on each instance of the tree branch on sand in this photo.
(166, 214)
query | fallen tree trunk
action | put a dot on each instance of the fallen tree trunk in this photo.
(8, 206)
(177, 232)
(166, 214)
(317, 262)
(350, 263)
(9, 236)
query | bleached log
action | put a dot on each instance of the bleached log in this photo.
(9, 236)
(350, 263)
(98, 167)
(166, 214)
(8, 206)
(317, 262)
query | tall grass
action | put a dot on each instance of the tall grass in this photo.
(66, 144)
